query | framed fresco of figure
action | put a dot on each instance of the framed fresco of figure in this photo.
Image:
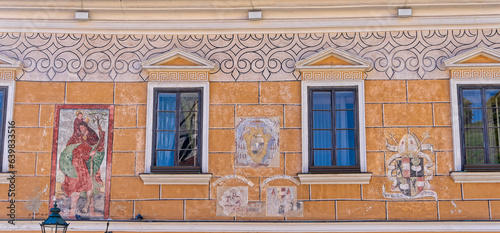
(81, 160)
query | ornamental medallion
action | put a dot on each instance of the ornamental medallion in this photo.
(257, 142)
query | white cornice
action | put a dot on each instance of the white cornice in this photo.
(476, 177)
(202, 64)
(232, 4)
(455, 62)
(143, 226)
(360, 63)
(351, 178)
(233, 26)
(4, 176)
(185, 179)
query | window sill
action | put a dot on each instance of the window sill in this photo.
(4, 177)
(476, 177)
(351, 178)
(187, 179)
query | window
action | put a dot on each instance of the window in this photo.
(480, 127)
(333, 130)
(176, 131)
(6, 110)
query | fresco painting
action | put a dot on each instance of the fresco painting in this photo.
(282, 201)
(410, 169)
(81, 160)
(257, 142)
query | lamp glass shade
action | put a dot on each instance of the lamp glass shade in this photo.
(54, 223)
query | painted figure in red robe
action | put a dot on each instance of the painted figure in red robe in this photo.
(82, 175)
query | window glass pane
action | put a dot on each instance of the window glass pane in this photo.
(474, 138)
(322, 119)
(189, 120)
(344, 100)
(165, 158)
(344, 119)
(345, 138)
(322, 139)
(492, 98)
(2, 92)
(189, 101)
(166, 121)
(473, 117)
(187, 157)
(166, 101)
(165, 140)
(494, 139)
(322, 158)
(472, 98)
(187, 139)
(474, 156)
(346, 158)
(493, 117)
(494, 155)
(322, 100)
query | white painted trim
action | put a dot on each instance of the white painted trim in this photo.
(186, 179)
(235, 26)
(204, 64)
(351, 178)
(144, 226)
(361, 118)
(457, 150)
(476, 177)
(11, 87)
(4, 176)
(454, 62)
(304, 64)
(149, 119)
(11, 63)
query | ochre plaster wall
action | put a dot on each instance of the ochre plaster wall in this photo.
(392, 106)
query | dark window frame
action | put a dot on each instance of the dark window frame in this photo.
(475, 167)
(177, 169)
(334, 168)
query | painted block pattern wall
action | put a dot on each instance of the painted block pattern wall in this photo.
(392, 106)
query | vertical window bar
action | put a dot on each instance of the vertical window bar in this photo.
(485, 126)
(177, 127)
(333, 110)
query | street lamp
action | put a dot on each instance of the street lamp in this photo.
(54, 223)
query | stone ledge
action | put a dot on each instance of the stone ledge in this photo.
(191, 179)
(4, 176)
(476, 177)
(350, 178)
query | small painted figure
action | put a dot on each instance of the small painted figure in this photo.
(80, 162)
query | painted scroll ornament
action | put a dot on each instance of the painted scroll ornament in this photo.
(409, 169)
(257, 142)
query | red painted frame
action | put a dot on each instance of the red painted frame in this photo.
(109, 151)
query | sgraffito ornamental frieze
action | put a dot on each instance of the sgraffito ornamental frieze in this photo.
(249, 57)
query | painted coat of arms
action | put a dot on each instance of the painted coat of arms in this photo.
(282, 201)
(81, 160)
(410, 169)
(257, 142)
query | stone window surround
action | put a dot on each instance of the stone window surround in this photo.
(10, 84)
(458, 175)
(192, 179)
(354, 178)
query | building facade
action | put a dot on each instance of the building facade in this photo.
(187, 116)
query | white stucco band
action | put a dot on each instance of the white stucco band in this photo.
(144, 226)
